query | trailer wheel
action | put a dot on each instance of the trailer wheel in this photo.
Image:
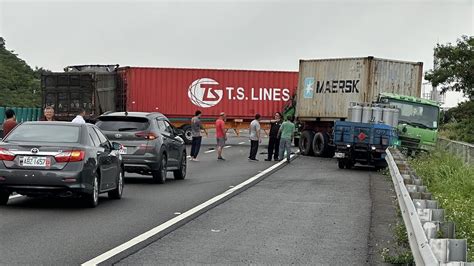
(340, 164)
(188, 134)
(349, 164)
(320, 144)
(306, 141)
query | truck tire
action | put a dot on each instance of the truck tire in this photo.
(306, 141)
(341, 164)
(320, 144)
(188, 135)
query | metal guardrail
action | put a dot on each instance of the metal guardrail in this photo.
(423, 220)
(461, 149)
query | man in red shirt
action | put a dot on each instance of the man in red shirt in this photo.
(10, 123)
(220, 135)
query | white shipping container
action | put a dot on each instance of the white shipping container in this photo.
(327, 86)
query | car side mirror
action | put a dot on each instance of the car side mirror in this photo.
(179, 132)
(116, 146)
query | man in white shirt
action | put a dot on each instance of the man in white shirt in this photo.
(79, 119)
(254, 138)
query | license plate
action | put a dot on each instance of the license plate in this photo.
(123, 150)
(35, 161)
(339, 155)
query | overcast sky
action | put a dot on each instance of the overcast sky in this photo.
(269, 35)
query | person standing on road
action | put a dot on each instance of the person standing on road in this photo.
(274, 141)
(48, 114)
(79, 119)
(254, 137)
(196, 133)
(220, 135)
(10, 123)
(287, 133)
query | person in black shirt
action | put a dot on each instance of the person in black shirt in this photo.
(274, 142)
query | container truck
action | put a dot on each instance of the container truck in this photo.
(326, 87)
(417, 124)
(175, 92)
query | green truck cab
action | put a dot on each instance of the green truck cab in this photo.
(417, 123)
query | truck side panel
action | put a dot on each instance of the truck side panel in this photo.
(179, 92)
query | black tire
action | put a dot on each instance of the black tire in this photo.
(117, 193)
(180, 174)
(306, 141)
(340, 164)
(349, 164)
(4, 196)
(92, 200)
(159, 176)
(320, 144)
(188, 134)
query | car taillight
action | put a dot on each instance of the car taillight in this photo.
(6, 155)
(70, 156)
(146, 135)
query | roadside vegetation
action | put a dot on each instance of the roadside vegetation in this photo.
(458, 123)
(452, 183)
(20, 85)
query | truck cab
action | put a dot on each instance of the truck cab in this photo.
(417, 123)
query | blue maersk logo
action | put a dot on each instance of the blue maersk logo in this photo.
(308, 88)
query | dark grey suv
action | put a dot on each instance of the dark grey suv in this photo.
(151, 145)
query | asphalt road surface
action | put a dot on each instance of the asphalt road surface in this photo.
(62, 232)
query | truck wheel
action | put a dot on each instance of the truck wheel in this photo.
(188, 135)
(349, 164)
(306, 141)
(340, 164)
(320, 144)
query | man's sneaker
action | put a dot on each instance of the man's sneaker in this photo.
(196, 160)
(220, 158)
(268, 160)
(254, 160)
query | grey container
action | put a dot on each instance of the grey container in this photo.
(326, 87)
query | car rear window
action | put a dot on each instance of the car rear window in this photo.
(45, 133)
(125, 123)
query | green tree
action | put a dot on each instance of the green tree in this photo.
(454, 67)
(19, 84)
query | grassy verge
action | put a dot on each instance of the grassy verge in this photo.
(452, 184)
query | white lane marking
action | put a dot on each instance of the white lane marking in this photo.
(15, 196)
(177, 213)
(243, 142)
(225, 147)
(209, 151)
(117, 250)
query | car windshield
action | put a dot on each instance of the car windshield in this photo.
(44, 133)
(113, 123)
(416, 114)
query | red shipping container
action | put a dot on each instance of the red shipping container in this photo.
(178, 93)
